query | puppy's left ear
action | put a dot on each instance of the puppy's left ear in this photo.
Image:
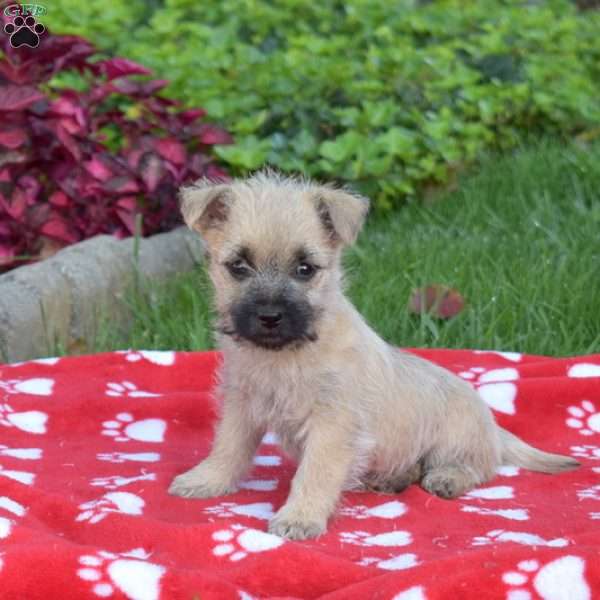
(342, 213)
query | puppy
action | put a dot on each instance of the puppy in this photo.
(299, 360)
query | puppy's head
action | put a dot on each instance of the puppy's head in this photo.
(273, 247)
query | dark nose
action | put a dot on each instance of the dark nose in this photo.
(270, 317)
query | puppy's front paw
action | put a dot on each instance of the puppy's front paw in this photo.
(296, 528)
(200, 482)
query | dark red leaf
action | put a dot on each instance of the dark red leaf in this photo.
(119, 67)
(122, 185)
(151, 170)
(191, 115)
(438, 300)
(211, 135)
(58, 228)
(12, 138)
(59, 199)
(18, 97)
(96, 168)
(172, 150)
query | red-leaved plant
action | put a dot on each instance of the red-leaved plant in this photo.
(74, 164)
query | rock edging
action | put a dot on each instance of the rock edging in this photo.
(59, 300)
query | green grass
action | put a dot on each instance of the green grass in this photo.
(520, 239)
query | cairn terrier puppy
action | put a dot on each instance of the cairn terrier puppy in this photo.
(299, 360)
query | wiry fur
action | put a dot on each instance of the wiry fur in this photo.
(353, 410)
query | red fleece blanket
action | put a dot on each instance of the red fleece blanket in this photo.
(89, 445)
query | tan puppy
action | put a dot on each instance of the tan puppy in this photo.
(300, 360)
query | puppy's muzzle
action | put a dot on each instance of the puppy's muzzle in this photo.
(270, 317)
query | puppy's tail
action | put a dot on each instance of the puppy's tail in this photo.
(516, 452)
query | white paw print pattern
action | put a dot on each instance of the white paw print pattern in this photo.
(495, 386)
(38, 386)
(128, 389)
(114, 482)
(595, 516)
(584, 370)
(518, 537)
(499, 492)
(237, 542)
(51, 360)
(156, 357)
(364, 538)
(388, 510)
(124, 429)
(121, 457)
(260, 485)
(113, 502)
(8, 510)
(31, 421)
(560, 579)
(586, 451)
(127, 572)
(513, 514)
(512, 356)
(20, 476)
(585, 418)
(591, 493)
(257, 510)
(21, 453)
(395, 563)
(267, 460)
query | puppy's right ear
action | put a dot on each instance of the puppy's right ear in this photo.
(205, 205)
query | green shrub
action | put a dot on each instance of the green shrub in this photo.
(390, 97)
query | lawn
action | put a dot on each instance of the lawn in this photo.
(519, 239)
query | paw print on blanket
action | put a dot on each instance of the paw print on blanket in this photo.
(127, 389)
(156, 357)
(113, 502)
(258, 510)
(24, 32)
(585, 418)
(591, 493)
(557, 580)
(388, 510)
(395, 563)
(38, 386)
(20, 476)
(127, 572)
(498, 492)
(121, 457)
(8, 510)
(584, 370)
(495, 386)
(21, 453)
(237, 542)
(518, 537)
(114, 482)
(363, 538)
(124, 429)
(586, 451)
(31, 421)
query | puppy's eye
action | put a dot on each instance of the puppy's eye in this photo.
(305, 271)
(238, 269)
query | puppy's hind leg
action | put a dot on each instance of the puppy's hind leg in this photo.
(449, 481)
(392, 483)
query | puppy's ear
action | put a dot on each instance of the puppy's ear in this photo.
(205, 205)
(342, 213)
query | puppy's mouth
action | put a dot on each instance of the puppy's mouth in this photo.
(278, 342)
